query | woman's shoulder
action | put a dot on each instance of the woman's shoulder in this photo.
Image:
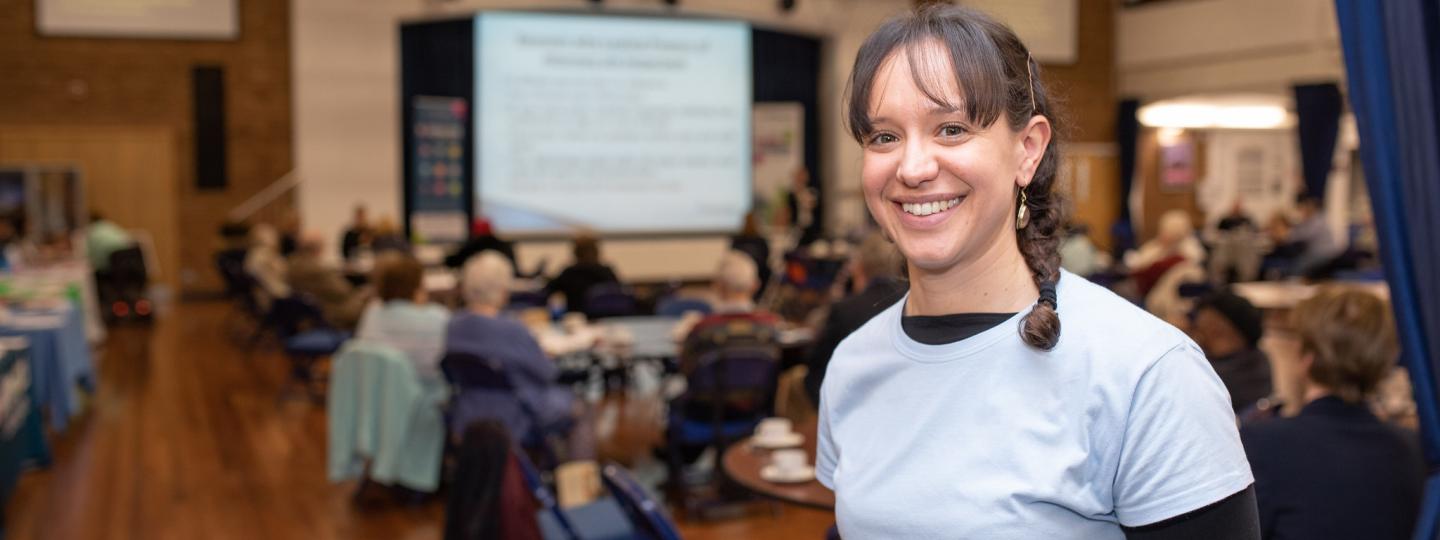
(1083, 302)
(1102, 321)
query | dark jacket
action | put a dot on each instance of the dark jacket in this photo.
(1246, 375)
(1335, 472)
(576, 280)
(847, 316)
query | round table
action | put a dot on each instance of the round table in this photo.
(742, 463)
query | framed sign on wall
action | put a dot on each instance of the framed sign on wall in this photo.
(170, 19)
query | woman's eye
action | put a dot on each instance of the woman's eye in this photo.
(883, 138)
(951, 131)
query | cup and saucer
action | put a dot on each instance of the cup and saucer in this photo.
(788, 466)
(774, 433)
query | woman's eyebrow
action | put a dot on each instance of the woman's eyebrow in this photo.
(936, 109)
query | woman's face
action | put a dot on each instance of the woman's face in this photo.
(942, 187)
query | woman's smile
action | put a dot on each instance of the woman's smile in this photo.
(925, 212)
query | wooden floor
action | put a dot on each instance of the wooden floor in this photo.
(189, 438)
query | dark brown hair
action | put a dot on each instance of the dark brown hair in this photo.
(997, 78)
(587, 249)
(1352, 337)
(397, 276)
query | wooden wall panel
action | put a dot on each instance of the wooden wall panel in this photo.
(87, 82)
(124, 173)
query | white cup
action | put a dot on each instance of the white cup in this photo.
(771, 429)
(789, 460)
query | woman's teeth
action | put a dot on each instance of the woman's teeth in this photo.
(925, 209)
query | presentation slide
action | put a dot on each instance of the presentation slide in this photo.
(612, 123)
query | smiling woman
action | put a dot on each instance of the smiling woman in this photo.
(962, 411)
(960, 161)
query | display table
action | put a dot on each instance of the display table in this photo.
(22, 440)
(60, 362)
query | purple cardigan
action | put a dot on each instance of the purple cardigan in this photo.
(529, 370)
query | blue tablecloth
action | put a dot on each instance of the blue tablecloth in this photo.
(22, 441)
(59, 359)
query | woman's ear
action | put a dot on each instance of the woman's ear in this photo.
(1034, 139)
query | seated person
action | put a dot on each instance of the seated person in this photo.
(1335, 470)
(103, 238)
(402, 318)
(1175, 244)
(587, 271)
(734, 323)
(388, 237)
(481, 331)
(264, 263)
(1235, 253)
(1236, 220)
(309, 275)
(1077, 253)
(482, 238)
(734, 315)
(875, 276)
(1311, 237)
(754, 244)
(1228, 328)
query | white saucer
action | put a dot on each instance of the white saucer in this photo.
(789, 440)
(770, 474)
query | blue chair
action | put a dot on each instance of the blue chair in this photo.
(645, 514)
(240, 289)
(482, 390)
(603, 519)
(730, 390)
(609, 300)
(304, 335)
(674, 307)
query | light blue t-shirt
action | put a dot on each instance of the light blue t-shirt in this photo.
(418, 330)
(1124, 422)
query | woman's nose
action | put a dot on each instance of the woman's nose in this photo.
(918, 165)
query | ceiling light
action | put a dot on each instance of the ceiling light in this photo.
(1218, 112)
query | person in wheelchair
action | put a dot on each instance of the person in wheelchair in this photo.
(735, 315)
(119, 266)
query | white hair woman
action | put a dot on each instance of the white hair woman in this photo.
(480, 330)
(486, 282)
(962, 410)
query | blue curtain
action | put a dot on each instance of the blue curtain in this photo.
(1391, 63)
(1317, 108)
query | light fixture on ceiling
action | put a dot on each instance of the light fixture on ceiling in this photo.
(1237, 111)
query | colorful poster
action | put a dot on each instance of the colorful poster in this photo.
(779, 134)
(437, 182)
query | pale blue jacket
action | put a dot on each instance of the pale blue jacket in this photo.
(381, 411)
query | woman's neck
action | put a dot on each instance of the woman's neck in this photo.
(998, 281)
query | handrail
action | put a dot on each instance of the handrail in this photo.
(265, 196)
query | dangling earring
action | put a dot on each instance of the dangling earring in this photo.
(1022, 216)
